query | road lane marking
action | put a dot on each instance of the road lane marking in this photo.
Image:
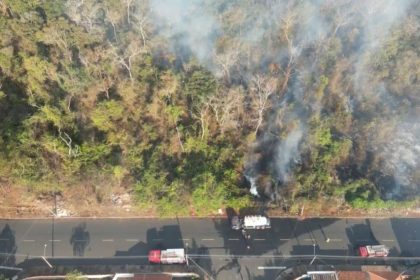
(28, 240)
(207, 239)
(184, 239)
(387, 240)
(55, 240)
(284, 239)
(271, 267)
(333, 240)
(107, 240)
(234, 239)
(414, 240)
(132, 240)
(259, 239)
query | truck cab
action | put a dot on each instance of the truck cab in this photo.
(236, 223)
(154, 256)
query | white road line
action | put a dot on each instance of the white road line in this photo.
(234, 239)
(284, 239)
(132, 240)
(414, 240)
(259, 239)
(271, 267)
(55, 240)
(28, 240)
(387, 240)
(184, 239)
(107, 240)
(207, 239)
(47, 262)
(334, 240)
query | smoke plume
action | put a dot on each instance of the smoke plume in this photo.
(301, 37)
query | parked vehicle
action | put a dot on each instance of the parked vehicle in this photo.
(373, 251)
(250, 222)
(169, 256)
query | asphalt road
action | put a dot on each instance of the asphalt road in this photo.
(211, 243)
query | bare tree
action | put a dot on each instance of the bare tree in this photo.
(53, 35)
(288, 22)
(83, 13)
(226, 60)
(126, 59)
(340, 20)
(201, 114)
(68, 141)
(227, 107)
(113, 18)
(142, 25)
(106, 83)
(128, 4)
(262, 89)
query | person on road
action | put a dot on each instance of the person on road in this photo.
(246, 236)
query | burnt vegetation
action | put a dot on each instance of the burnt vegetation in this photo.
(177, 102)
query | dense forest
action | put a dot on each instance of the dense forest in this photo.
(203, 104)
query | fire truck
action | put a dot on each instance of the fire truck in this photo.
(168, 256)
(373, 251)
(250, 222)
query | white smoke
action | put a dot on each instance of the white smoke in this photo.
(254, 188)
(286, 153)
(378, 18)
(187, 23)
(402, 158)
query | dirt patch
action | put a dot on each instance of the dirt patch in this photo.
(111, 201)
(78, 201)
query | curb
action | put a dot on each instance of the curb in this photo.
(207, 217)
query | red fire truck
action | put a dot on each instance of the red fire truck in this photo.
(373, 251)
(168, 256)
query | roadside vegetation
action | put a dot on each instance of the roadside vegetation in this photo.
(99, 98)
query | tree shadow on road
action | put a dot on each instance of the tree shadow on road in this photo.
(166, 237)
(7, 246)
(360, 235)
(80, 239)
(232, 265)
(273, 267)
(406, 232)
(201, 258)
(140, 249)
